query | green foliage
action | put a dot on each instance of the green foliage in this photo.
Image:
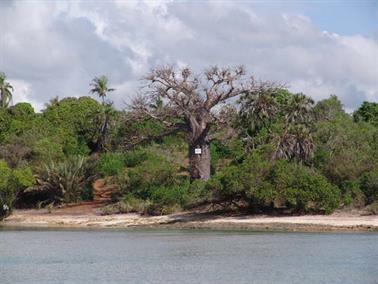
(4, 123)
(352, 194)
(367, 112)
(133, 158)
(198, 194)
(111, 164)
(222, 152)
(345, 150)
(150, 167)
(262, 184)
(12, 181)
(6, 90)
(22, 111)
(100, 87)
(280, 118)
(369, 185)
(329, 109)
(167, 199)
(76, 118)
(153, 175)
(66, 180)
(154, 171)
(302, 189)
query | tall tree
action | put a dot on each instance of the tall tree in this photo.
(100, 87)
(191, 102)
(6, 90)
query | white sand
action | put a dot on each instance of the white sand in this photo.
(336, 221)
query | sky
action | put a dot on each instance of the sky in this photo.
(55, 48)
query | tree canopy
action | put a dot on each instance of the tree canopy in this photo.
(218, 138)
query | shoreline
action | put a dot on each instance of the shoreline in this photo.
(306, 223)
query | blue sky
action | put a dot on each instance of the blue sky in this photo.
(346, 17)
(55, 48)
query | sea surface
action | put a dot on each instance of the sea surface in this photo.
(171, 256)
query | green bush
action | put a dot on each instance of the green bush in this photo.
(169, 195)
(111, 164)
(154, 178)
(198, 193)
(153, 172)
(134, 158)
(369, 186)
(65, 181)
(12, 181)
(302, 189)
(352, 194)
(262, 184)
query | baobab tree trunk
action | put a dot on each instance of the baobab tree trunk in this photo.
(199, 163)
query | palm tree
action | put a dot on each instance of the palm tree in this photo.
(257, 111)
(299, 109)
(296, 140)
(6, 90)
(295, 143)
(100, 87)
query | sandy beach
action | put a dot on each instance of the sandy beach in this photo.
(89, 216)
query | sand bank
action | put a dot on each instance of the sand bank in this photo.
(82, 217)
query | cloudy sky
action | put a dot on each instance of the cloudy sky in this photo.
(54, 48)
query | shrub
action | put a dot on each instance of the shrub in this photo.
(111, 164)
(134, 158)
(352, 194)
(134, 204)
(169, 195)
(66, 180)
(303, 189)
(262, 184)
(369, 186)
(152, 182)
(153, 172)
(198, 193)
(12, 181)
(345, 150)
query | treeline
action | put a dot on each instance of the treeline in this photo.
(186, 143)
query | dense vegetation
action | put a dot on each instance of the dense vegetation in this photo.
(271, 150)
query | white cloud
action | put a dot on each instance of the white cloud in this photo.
(22, 92)
(56, 48)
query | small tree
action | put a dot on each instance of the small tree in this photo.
(190, 102)
(368, 112)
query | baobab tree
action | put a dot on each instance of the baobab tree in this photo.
(183, 100)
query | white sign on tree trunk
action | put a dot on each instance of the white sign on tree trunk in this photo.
(198, 151)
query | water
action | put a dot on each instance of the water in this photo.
(73, 256)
